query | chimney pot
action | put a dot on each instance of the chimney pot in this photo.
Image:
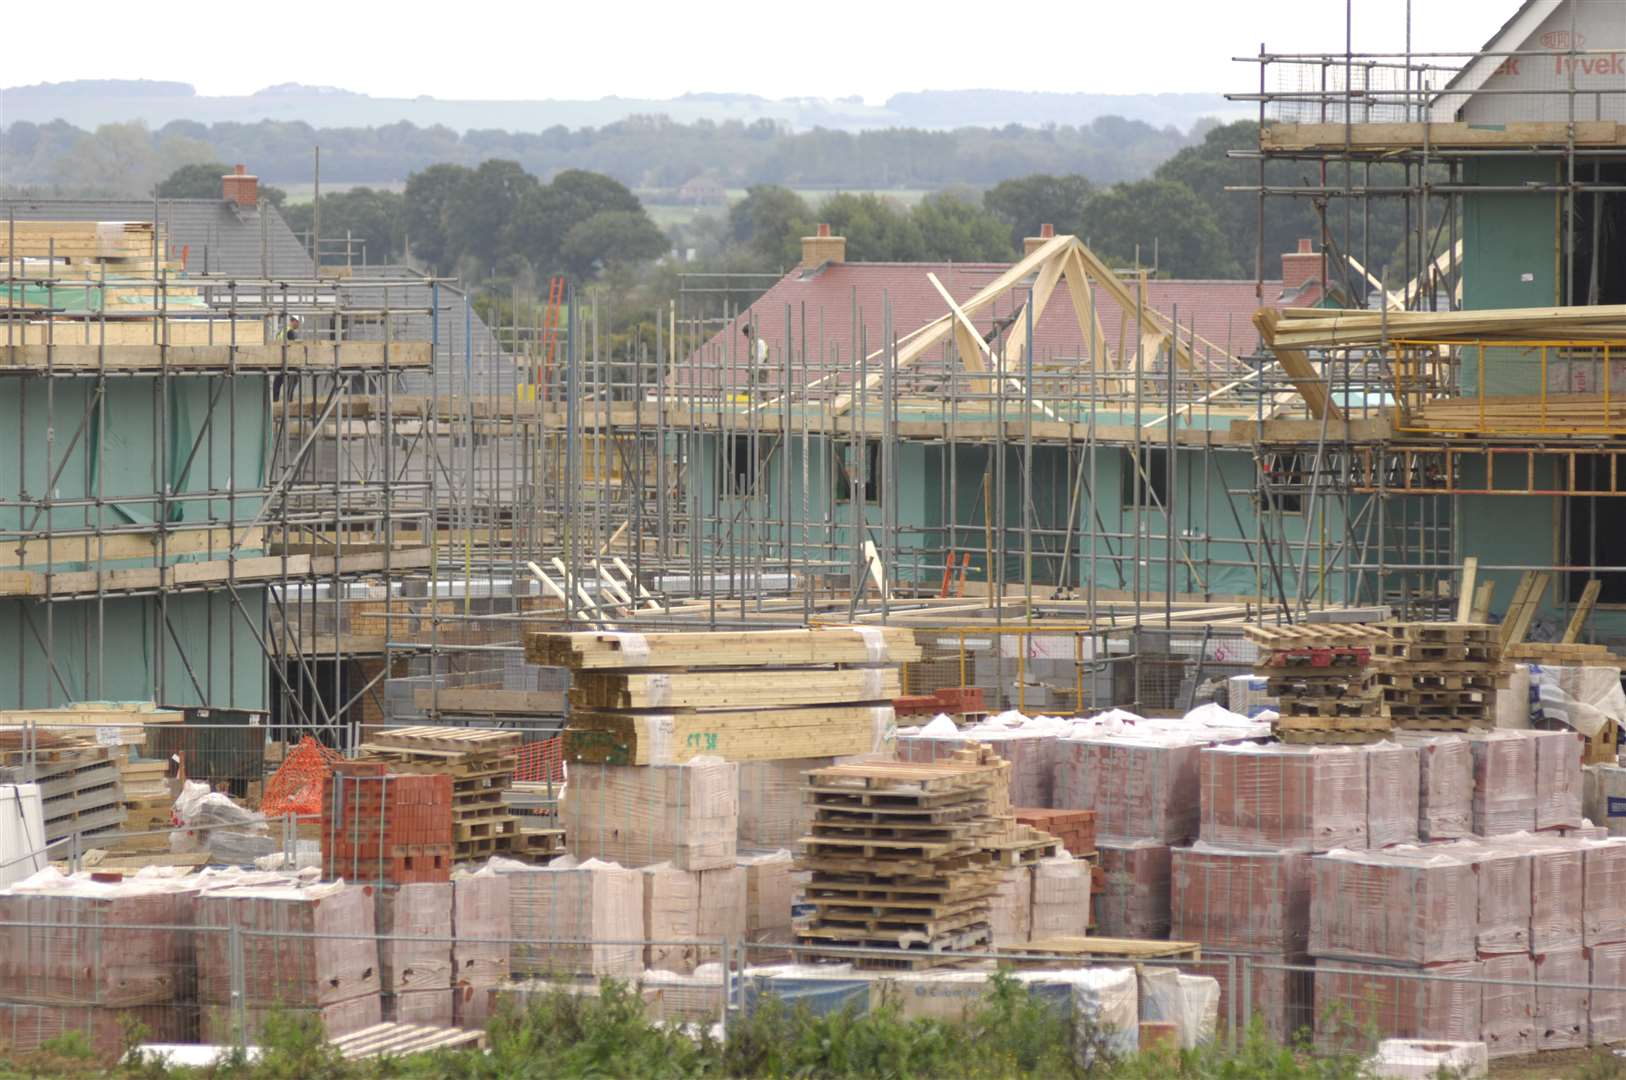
(823, 248)
(1030, 244)
(1047, 230)
(1306, 245)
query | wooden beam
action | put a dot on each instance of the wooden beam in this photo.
(1309, 383)
(1526, 599)
(1583, 610)
(1482, 602)
(1465, 589)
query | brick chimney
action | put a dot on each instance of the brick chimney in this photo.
(241, 187)
(1030, 244)
(1301, 267)
(823, 248)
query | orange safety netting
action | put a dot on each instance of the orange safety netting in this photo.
(540, 761)
(296, 786)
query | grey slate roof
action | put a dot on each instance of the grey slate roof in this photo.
(465, 347)
(220, 239)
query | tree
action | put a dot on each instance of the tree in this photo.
(202, 181)
(877, 229)
(377, 219)
(958, 230)
(1029, 202)
(770, 222)
(1162, 217)
(478, 214)
(611, 239)
(427, 203)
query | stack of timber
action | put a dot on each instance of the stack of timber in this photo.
(1319, 328)
(1438, 676)
(148, 802)
(907, 856)
(480, 762)
(111, 723)
(79, 781)
(1562, 654)
(662, 699)
(1320, 674)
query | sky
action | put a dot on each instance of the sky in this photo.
(826, 48)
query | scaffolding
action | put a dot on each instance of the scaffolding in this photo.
(1419, 140)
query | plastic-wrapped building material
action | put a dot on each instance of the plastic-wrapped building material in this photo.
(574, 918)
(414, 924)
(1558, 778)
(694, 998)
(1561, 1010)
(1603, 901)
(1028, 744)
(1603, 799)
(1393, 794)
(1513, 700)
(22, 832)
(1502, 884)
(1281, 987)
(26, 1027)
(1353, 1001)
(1445, 796)
(671, 918)
(1504, 782)
(1134, 899)
(722, 910)
(1426, 1059)
(1141, 785)
(1583, 698)
(639, 815)
(1061, 898)
(1280, 797)
(1243, 901)
(1508, 1024)
(1606, 1015)
(1249, 694)
(769, 894)
(482, 923)
(1557, 884)
(1408, 906)
(1189, 1002)
(308, 949)
(1011, 909)
(114, 943)
(774, 811)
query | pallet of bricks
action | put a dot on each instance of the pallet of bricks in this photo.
(480, 763)
(1320, 675)
(1437, 676)
(79, 781)
(661, 699)
(383, 826)
(907, 857)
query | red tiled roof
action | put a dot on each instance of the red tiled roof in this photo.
(829, 299)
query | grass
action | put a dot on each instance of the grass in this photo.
(1010, 1034)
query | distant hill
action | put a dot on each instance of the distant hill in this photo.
(89, 103)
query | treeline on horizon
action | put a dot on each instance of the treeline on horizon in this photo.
(644, 152)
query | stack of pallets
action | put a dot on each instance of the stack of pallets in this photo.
(1438, 676)
(748, 695)
(906, 856)
(78, 779)
(1320, 674)
(480, 762)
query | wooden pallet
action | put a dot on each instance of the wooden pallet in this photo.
(1070, 951)
(1341, 730)
(401, 1039)
(439, 740)
(752, 688)
(724, 649)
(1313, 635)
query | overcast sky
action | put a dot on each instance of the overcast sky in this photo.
(823, 48)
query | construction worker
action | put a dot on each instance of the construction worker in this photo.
(757, 355)
(290, 330)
